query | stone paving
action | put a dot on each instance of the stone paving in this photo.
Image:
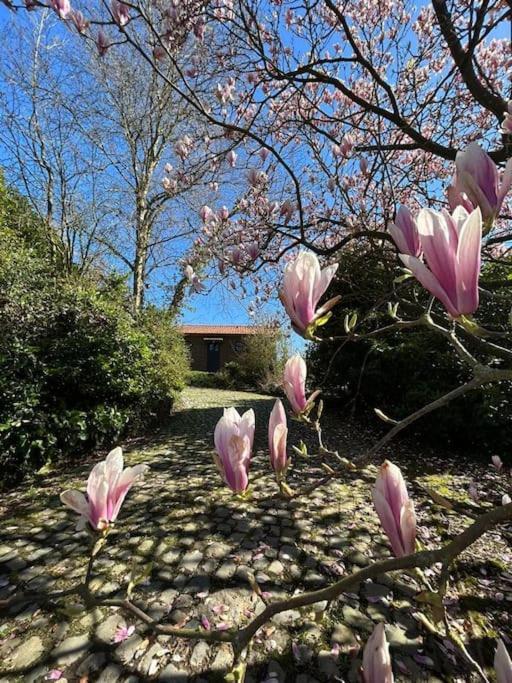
(203, 544)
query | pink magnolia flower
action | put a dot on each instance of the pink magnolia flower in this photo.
(395, 509)
(304, 284)
(206, 214)
(404, 232)
(502, 664)
(107, 487)
(451, 246)
(120, 12)
(277, 434)
(506, 499)
(347, 145)
(255, 177)
(253, 250)
(169, 184)
(62, 7)
(287, 210)
(102, 42)
(476, 175)
(193, 278)
(376, 659)
(294, 384)
(231, 158)
(223, 213)
(233, 437)
(54, 675)
(123, 633)
(81, 24)
(235, 256)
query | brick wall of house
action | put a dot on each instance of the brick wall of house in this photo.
(230, 346)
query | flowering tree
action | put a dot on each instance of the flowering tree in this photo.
(338, 113)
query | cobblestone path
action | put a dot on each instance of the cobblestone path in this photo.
(203, 543)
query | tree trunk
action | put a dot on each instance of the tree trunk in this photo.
(139, 266)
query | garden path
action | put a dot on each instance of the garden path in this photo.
(203, 542)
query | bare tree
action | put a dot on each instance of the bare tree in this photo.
(42, 148)
(98, 144)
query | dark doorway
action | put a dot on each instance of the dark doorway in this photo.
(213, 356)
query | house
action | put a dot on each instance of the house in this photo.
(212, 346)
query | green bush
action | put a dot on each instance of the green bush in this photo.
(403, 371)
(260, 363)
(76, 370)
(207, 380)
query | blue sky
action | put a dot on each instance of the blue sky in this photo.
(218, 303)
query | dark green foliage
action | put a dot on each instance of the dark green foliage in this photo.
(402, 371)
(76, 370)
(207, 380)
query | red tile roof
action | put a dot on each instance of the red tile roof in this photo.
(222, 329)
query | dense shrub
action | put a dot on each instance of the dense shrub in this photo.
(401, 372)
(76, 370)
(260, 363)
(207, 380)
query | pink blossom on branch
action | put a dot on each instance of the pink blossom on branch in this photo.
(120, 12)
(294, 385)
(395, 509)
(404, 232)
(451, 246)
(477, 177)
(102, 42)
(80, 23)
(277, 434)
(231, 158)
(193, 278)
(233, 437)
(107, 487)
(304, 284)
(206, 214)
(376, 659)
(62, 7)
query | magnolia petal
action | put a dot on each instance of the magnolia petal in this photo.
(76, 501)
(439, 241)
(468, 257)
(376, 658)
(502, 664)
(114, 460)
(477, 196)
(295, 372)
(430, 282)
(506, 184)
(408, 527)
(327, 307)
(388, 522)
(247, 425)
